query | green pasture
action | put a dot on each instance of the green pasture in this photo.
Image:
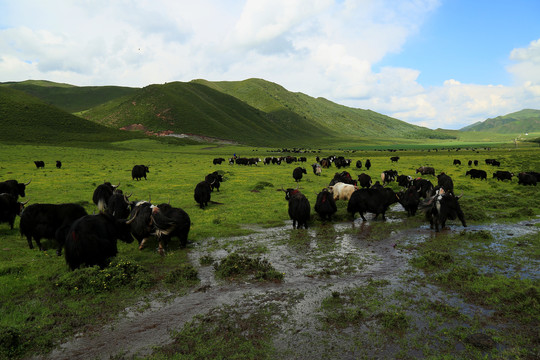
(40, 298)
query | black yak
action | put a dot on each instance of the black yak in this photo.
(297, 173)
(440, 207)
(139, 171)
(91, 240)
(202, 193)
(299, 208)
(371, 200)
(325, 205)
(49, 221)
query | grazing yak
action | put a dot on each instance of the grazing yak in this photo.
(424, 186)
(404, 180)
(218, 161)
(444, 181)
(10, 208)
(49, 221)
(39, 164)
(364, 180)
(139, 171)
(503, 175)
(371, 200)
(441, 207)
(214, 179)
(477, 174)
(457, 162)
(297, 173)
(359, 164)
(394, 158)
(119, 205)
(14, 188)
(58, 164)
(299, 208)
(527, 179)
(409, 199)
(171, 222)
(202, 193)
(425, 170)
(91, 240)
(368, 164)
(342, 191)
(325, 205)
(162, 220)
(102, 194)
(388, 176)
(316, 169)
(343, 177)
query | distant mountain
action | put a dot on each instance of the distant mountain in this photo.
(69, 97)
(524, 121)
(27, 119)
(253, 112)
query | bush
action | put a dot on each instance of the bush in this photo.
(93, 280)
(235, 265)
(186, 274)
(10, 342)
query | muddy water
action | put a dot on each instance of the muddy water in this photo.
(329, 246)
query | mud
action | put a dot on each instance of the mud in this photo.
(321, 260)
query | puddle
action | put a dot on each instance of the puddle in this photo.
(316, 262)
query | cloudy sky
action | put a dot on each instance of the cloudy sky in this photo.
(436, 63)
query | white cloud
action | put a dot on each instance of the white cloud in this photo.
(324, 48)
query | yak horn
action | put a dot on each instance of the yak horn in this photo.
(115, 186)
(458, 197)
(28, 182)
(26, 202)
(129, 221)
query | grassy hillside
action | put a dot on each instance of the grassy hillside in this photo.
(192, 108)
(26, 119)
(524, 121)
(68, 97)
(274, 99)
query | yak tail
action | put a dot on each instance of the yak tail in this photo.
(101, 205)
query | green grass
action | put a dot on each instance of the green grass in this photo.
(40, 303)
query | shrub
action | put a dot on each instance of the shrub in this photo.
(93, 280)
(236, 265)
(186, 274)
(10, 342)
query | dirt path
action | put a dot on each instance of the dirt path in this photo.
(135, 333)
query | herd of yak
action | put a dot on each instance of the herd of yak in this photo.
(92, 239)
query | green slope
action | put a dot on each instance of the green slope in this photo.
(192, 108)
(26, 119)
(68, 97)
(524, 121)
(274, 99)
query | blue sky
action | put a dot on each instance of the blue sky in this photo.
(435, 63)
(469, 41)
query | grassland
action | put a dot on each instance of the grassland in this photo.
(42, 302)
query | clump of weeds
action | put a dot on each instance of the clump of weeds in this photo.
(185, 275)
(237, 266)
(93, 280)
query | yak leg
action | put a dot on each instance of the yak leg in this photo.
(141, 245)
(29, 239)
(161, 250)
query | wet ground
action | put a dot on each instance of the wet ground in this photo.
(316, 262)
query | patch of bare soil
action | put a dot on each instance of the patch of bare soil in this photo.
(317, 263)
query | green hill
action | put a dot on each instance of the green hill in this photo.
(253, 111)
(68, 97)
(524, 121)
(193, 108)
(27, 119)
(274, 99)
